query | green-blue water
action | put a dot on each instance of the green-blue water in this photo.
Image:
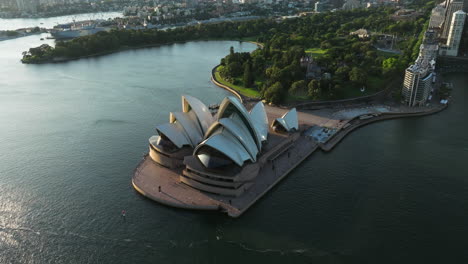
(71, 135)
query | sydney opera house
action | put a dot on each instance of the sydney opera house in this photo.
(217, 152)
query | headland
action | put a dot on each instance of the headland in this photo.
(190, 185)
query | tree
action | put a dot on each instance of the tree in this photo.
(234, 69)
(274, 93)
(341, 74)
(248, 76)
(314, 89)
(273, 73)
(389, 66)
(358, 76)
(298, 88)
(258, 63)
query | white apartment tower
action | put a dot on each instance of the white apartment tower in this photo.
(417, 85)
(418, 81)
(455, 33)
(452, 7)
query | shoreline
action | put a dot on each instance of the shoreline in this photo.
(95, 55)
(274, 165)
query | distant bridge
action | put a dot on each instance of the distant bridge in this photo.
(446, 64)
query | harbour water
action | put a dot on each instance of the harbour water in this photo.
(72, 133)
(50, 22)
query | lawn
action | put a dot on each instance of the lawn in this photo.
(375, 84)
(316, 52)
(386, 54)
(249, 92)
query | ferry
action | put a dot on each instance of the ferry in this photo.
(77, 29)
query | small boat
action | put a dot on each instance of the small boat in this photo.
(42, 38)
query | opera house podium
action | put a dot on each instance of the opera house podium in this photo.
(214, 156)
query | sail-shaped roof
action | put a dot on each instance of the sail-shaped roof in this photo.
(227, 144)
(175, 133)
(190, 124)
(205, 119)
(240, 132)
(260, 120)
(288, 121)
(231, 107)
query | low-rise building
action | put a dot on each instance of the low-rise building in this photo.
(361, 33)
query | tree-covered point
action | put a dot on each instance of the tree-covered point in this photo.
(276, 71)
(347, 65)
(106, 42)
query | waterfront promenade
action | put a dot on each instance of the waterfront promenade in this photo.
(320, 129)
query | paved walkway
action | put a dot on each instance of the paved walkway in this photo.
(149, 177)
(278, 162)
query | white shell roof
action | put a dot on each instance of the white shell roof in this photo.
(260, 120)
(190, 125)
(175, 133)
(289, 120)
(227, 144)
(239, 131)
(203, 113)
(246, 119)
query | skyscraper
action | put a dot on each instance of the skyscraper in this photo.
(455, 34)
(452, 7)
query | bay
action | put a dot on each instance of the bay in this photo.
(72, 133)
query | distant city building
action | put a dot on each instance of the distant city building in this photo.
(321, 6)
(455, 34)
(191, 3)
(361, 33)
(437, 17)
(452, 7)
(406, 14)
(351, 4)
(27, 5)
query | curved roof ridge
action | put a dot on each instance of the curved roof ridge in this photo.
(189, 123)
(239, 131)
(245, 116)
(291, 119)
(204, 116)
(174, 132)
(226, 143)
